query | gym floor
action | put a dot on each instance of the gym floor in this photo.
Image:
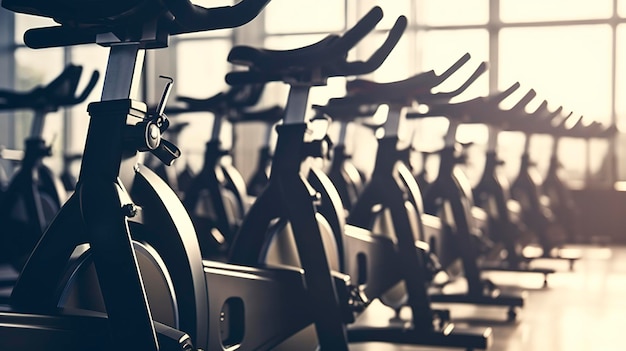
(582, 310)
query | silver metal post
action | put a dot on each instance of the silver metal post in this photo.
(217, 127)
(555, 145)
(527, 144)
(36, 128)
(296, 104)
(492, 139)
(450, 139)
(392, 124)
(123, 72)
(343, 131)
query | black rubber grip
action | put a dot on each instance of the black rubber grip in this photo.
(499, 97)
(46, 37)
(195, 18)
(270, 116)
(355, 34)
(83, 22)
(318, 61)
(59, 92)
(380, 55)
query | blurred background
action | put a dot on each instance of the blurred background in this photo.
(572, 52)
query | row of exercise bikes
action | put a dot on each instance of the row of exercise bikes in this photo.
(137, 259)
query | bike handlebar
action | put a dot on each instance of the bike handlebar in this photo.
(194, 18)
(58, 93)
(326, 58)
(148, 22)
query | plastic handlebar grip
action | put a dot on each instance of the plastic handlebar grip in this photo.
(498, 98)
(352, 36)
(455, 67)
(521, 105)
(194, 18)
(380, 55)
(90, 85)
(39, 38)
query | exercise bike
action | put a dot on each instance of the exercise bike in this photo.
(536, 210)
(502, 230)
(216, 196)
(269, 118)
(393, 256)
(34, 194)
(93, 228)
(562, 203)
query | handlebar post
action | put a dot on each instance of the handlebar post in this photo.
(450, 139)
(296, 104)
(555, 145)
(527, 143)
(123, 72)
(36, 128)
(394, 117)
(492, 138)
(343, 131)
(216, 131)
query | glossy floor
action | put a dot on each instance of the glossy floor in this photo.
(582, 310)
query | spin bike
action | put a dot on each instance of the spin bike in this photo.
(536, 210)
(463, 240)
(164, 247)
(393, 255)
(268, 118)
(148, 289)
(35, 194)
(346, 177)
(562, 203)
(216, 196)
(501, 230)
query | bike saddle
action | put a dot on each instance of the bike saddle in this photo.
(114, 21)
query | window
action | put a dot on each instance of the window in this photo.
(572, 52)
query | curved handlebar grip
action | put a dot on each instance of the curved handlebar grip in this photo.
(380, 55)
(482, 68)
(249, 77)
(499, 97)
(542, 108)
(352, 36)
(577, 124)
(45, 37)
(245, 95)
(8, 95)
(521, 105)
(194, 18)
(562, 120)
(556, 112)
(270, 116)
(92, 83)
(455, 67)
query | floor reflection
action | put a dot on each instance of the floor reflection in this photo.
(580, 310)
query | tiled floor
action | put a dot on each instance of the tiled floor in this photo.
(583, 310)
